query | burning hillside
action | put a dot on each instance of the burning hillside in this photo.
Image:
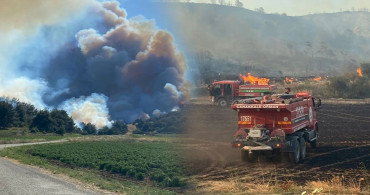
(289, 80)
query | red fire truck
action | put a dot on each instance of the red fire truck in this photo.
(276, 124)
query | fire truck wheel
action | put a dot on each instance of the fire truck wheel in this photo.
(302, 151)
(294, 157)
(313, 144)
(222, 102)
(249, 157)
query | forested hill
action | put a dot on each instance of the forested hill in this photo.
(235, 39)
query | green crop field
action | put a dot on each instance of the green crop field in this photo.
(157, 161)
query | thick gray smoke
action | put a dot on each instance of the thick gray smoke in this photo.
(114, 68)
(22, 51)
(128, 60)
(231, 40)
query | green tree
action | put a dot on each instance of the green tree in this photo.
(365, 69)
(89, 129)
(43, 122)
(7, 114)
(120, 127)
(63, 123)
(104, 131)
(25, 113)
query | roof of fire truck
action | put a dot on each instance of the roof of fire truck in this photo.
(225, 82)
(274, 101)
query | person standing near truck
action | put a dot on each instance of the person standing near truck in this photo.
(287, 90)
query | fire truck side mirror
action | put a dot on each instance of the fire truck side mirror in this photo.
(316, 102)
(319, 103)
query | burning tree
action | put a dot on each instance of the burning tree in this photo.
(359, 72)
(365, 69)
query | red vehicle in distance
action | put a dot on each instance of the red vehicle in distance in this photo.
(223, 93)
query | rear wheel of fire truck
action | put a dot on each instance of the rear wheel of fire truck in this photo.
(249, 157)
(313, 143)
(294, 157)
(222, 102)
(302, 151)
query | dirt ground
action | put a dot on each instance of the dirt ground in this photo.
(343, 147)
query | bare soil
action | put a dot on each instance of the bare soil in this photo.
(343, 147)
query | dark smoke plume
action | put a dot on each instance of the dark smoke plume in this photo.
(132, 63)
(116, 69)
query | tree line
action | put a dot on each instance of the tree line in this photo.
(173, 122)
(14, 113)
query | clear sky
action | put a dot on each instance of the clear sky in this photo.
(299, 7)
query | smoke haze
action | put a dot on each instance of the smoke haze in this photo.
(233, 40)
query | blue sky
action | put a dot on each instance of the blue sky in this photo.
(146, 8)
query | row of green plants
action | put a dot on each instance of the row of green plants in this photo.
(157, 161)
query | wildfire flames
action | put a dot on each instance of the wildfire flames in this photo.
(359, 71)
(289, 80)
(254, 80)
(317, 79)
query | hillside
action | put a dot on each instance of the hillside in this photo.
(234, 40)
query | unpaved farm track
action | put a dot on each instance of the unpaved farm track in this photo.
(344, 147)
(16, 178)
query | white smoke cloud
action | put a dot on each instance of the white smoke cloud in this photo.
(175, 109)
(174, 93)
(89, 39)
(25, 90)
(92, 109)
(144, 116)
(158, 113)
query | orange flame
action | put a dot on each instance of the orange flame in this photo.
(359, 71)
(289, 80)
(317, 79)
(254, 80)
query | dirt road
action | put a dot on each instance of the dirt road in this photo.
(22, 179)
